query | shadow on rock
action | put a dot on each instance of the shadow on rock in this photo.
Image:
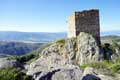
(90, 77)
(48, 76)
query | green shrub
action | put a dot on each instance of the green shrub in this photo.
(84, 66)
(13, 74)
(118, 61)
(25, 58)
(61, 41)
(115, 68)
(33, 59)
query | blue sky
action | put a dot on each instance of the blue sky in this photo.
(51, 15)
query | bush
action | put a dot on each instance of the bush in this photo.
(33, 59)
(84, 66)
(13, 74)
(25, 58)
(115, 68)
(61, 41)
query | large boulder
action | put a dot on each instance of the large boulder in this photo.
(68, 74)
(46, 63)
(53, 67)
(88, 50)
(5, 62)
(116, 55)
(56, 47)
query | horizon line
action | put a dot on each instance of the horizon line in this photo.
(49, 31)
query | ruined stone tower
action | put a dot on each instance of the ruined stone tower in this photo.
(85, 21)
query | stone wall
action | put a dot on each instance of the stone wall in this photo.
(71, 26)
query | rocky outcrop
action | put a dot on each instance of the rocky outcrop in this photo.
(46, 63)
(68, 74)
(116, 54)
(88, 50)
(4, 63)
(65, 72)
(80, 50)
(53, 67)
(56, 47)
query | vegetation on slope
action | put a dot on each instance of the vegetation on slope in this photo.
(17, 48)
(30, 57)
(13, 74)
(110, 39)
(113, 67)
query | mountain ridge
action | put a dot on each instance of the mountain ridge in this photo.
(40, 37)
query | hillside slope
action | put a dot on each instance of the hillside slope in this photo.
(17, 48)
(110, 39)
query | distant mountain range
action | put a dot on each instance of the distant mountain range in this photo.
(20, 43)
(117, 33)
(40, 37)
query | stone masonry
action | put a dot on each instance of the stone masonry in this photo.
(85, 21)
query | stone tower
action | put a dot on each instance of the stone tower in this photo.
(84, 21)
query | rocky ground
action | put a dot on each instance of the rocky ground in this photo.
(67, 59)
